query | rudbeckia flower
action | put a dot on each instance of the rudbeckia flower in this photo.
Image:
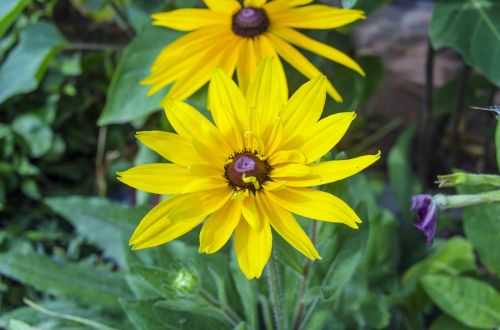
(247, 171)
(233, 37)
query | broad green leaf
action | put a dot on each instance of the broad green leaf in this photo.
(26, 63)
(90, 286)
(147, 315)
(482, 228)
(444, 322)
(472, 27)
(348, 3)
(127, 100)
(76, 319)
(472, 302)
(9, 10)
(37, 135)
(382, 250)
(347, 260)
(453, 257)
(106, 224)
(401, 176)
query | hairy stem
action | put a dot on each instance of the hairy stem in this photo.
(275, 294)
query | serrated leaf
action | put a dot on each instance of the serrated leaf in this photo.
(472, 302)
(26, 63)
(90, 286)
(106, 224)
(472, 27)
(126, 99)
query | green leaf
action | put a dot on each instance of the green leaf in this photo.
(472, 302)
(452, 258)
(106, 224)
(76, 319)
(472, 27)
(401, 176)
(444, 322)
(87, 285)
(35, 133)
(348, 258)
(482, 228)
(126, 98)
(9, 10)
(147, 315)
(348, 3)
(24, 67)
(247, 291)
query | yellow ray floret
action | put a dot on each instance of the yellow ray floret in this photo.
(236, 38)
(246, 174)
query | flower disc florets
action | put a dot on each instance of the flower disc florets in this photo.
(247, 170)
(250, 22)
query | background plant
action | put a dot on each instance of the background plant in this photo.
(69, 106)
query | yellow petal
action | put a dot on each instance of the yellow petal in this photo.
(188, 19)
(326, 134)
(172, 63)
(199, 74)
(254, 3)
(334, 170)
(274, 185)
(247, 63)
(157, 178)
(177, 149)
(224, 6)
(204, 183)
(272, 7)
(287, 156)
(285, 224)
(181, 212)
(265, 98)
(317, 47)
(228, 107)
(292, 171)
(317, 17)
(315, 204)
(219, 226)
(251, 214)
(265, 49)
(205, 137)
(304, 108)
(253, 248)
(300, 62)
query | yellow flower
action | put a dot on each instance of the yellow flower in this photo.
(234, 38)
(249, 171)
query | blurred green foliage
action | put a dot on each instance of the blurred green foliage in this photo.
(70, 101)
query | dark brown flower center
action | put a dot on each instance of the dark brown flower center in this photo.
(249, 22)
(247, 170)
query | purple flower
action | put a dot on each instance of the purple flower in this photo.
(426, 209)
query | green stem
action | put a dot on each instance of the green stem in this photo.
(458, 201)
(275, 294)
(468, 179)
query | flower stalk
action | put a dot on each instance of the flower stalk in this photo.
(468, 179)
(276, 295)
(445, 202)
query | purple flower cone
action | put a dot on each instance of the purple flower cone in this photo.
(426, 210)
